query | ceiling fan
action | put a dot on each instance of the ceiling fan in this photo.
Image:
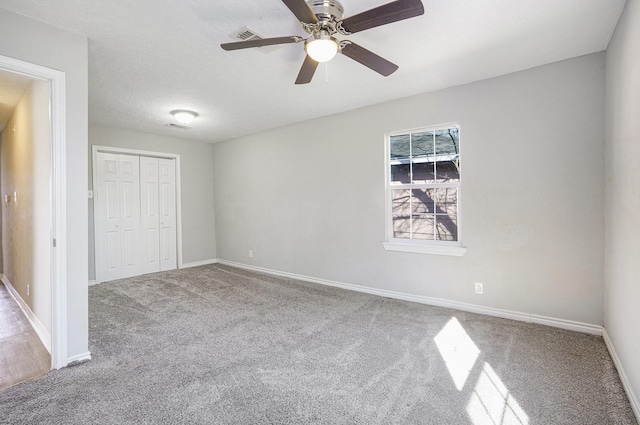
(323, 19)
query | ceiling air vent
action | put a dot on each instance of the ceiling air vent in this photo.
(181, 127)
(246, 33)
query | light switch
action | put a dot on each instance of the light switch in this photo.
(91, 194)
(15, 196)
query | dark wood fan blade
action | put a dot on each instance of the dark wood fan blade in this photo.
(301, 10)
(260, 42)
(369, 59)
(306, 72)
(382, 15)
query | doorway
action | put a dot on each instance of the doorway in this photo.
(53, 227)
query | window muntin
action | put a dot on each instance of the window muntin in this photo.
(424, 185)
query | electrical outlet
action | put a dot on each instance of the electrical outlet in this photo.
(28, 289)
(479, 288)
(250, 253)
(15, 196)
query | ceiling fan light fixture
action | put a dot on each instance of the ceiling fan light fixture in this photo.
(184, 116)
(321, 47)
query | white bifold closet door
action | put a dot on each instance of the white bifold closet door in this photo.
(136, 215)
(158, 214)
(118, 196)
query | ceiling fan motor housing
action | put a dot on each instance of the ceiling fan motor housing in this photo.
(326, 10)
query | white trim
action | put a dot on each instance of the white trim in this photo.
(424, 129)
(36, 324)
(79, 357)
(57, 80)
(125, 151)
(439, 302)
(199, 263)
(457, 251)
(92, 283)
(633, 399)
(116, 150)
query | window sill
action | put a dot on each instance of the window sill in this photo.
(457, 251)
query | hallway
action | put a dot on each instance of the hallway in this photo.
(22, 355)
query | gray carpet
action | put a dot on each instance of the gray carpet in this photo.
(220, 345)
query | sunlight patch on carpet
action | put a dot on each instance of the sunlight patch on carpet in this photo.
(458, 351)
(492, 404)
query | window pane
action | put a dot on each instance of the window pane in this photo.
(421, 145)
(446, 201)
(423, 227)
(400, 173)
(447, 153)
(447, 171)
(400, 147)
(423, 172)
(447, 141)
(422, 157)
(446, 227)
(402, 226)
(401, 202)
(423, 201)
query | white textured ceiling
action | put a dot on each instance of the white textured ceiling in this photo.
(147, 57)
(12, 88)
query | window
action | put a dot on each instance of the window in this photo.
(423, 190)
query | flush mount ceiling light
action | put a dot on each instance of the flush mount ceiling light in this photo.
(321, 47)
(184, 116)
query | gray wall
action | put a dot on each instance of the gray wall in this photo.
(37, 43)
(196, 162)
(622, 212)
(25, 158)
(309, 198)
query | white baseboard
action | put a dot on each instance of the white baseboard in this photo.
(79, 358)
(36, 324)
(183, 266)
(439, 302)
(199, 263)
(633, 399)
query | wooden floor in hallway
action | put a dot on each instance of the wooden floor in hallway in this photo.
(22, 355)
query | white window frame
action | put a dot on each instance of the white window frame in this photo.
(391, 243)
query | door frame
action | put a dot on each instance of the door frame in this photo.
(58, 191)
(125, 151)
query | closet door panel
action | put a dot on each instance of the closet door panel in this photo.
(108, 219)
(167, 202)
(130, 214)
(150, 218)
(118, 216)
